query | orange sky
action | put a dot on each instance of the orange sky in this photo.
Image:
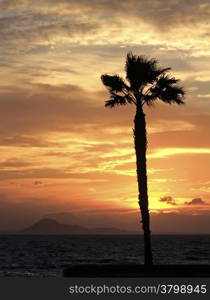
(61, 150)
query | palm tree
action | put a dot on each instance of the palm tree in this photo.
(145, 83)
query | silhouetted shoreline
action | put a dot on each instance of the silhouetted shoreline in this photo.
(135, 271)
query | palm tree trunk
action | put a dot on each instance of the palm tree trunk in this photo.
(140, 141)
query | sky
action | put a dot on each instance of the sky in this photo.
(63, 151)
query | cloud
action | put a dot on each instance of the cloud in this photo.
(20, 140)
(196, 201)
(170, 126)
(43, 109)
(37, 182)
(65, 131)
(42, 172)
(69, 108)
(43, 25)
(48, 108)
(100, 22)
(161, 153)
(14, 163)
(168, 200)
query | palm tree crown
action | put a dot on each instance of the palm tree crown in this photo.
(145, 82)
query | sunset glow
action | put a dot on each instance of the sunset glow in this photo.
(61, 149)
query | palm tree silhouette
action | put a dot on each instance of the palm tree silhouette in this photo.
(145, 83)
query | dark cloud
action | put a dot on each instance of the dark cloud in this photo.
(192, 115)
(14, 163)
(52, 108)
(196, 201)
(39, 173)
(33, 28)
(20, 140)
(168, 200)
(37, 182)
(42, 22)
(44, 110)
(202, 87)
(70, 109)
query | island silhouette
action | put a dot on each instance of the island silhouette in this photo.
(49, 226)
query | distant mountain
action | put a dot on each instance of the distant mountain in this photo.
(50, 226)
(125, 221)
(64, 218)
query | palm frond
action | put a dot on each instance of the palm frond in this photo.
(155, 74)
(165, 80)
(114, 83)
(129, 99)
(149, 99)
(116, 100)
(141, 70)
(166, 90)
(172, 94)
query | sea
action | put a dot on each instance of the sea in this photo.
(48, 255)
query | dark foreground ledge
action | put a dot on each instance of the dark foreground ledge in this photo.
(134, 271)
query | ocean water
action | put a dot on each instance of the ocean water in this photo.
(46, 256)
